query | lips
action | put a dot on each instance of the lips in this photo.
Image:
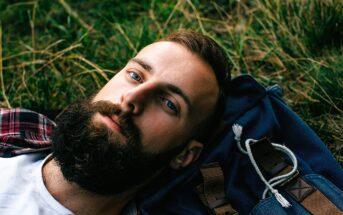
(112, 122)
(115, 120)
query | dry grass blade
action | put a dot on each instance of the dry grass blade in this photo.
(53, 57)
(74, 14)
(197, 15)
(153, 17)
(1, 74)
(59, 55)
(177, 5)
(128, 40)
(32, 25)
(96, 67)
(25, 64)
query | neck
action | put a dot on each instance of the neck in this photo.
(79, 200)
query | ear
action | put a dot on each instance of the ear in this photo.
(188, 155)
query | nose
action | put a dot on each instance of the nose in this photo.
(136, 99)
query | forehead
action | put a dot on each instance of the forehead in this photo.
(174, 64)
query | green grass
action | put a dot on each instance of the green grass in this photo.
(56, 52)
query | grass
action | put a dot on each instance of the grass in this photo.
(56, 52)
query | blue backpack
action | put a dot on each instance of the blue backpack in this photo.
(225, 180)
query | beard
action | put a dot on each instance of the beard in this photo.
(92, 155)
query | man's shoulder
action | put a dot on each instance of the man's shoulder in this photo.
(12, 168)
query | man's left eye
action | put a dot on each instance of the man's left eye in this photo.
(170, 105)
(135, 76)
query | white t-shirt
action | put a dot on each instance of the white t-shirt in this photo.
(22, 190)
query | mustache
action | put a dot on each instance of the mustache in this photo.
(106, 108)
(125, 119)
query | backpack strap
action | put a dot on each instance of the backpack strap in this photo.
(311, 198)
(211, 190)
(307, 195)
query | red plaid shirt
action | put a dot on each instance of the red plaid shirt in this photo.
(24, 131)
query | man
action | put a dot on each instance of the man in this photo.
(147, 119)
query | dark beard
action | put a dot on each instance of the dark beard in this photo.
(92, 156)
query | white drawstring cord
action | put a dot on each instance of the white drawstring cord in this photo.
(284, 203)
(237, 129)
(280, 179)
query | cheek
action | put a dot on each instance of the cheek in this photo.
(159, 131)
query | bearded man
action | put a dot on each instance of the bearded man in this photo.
(148, 119)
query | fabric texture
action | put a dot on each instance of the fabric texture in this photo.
(22, 190)
(23, 131)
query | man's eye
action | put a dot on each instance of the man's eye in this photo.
(135, 76)
(170, 105)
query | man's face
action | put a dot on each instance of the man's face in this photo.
(137, 123)
(167, 90)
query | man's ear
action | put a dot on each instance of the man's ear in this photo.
(188, 155)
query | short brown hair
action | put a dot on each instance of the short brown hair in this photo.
(207, 49)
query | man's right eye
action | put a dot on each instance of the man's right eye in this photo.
(135, 76)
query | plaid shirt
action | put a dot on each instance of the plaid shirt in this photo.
(24, 131)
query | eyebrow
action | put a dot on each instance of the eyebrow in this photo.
(143, 64)
(169, 87)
